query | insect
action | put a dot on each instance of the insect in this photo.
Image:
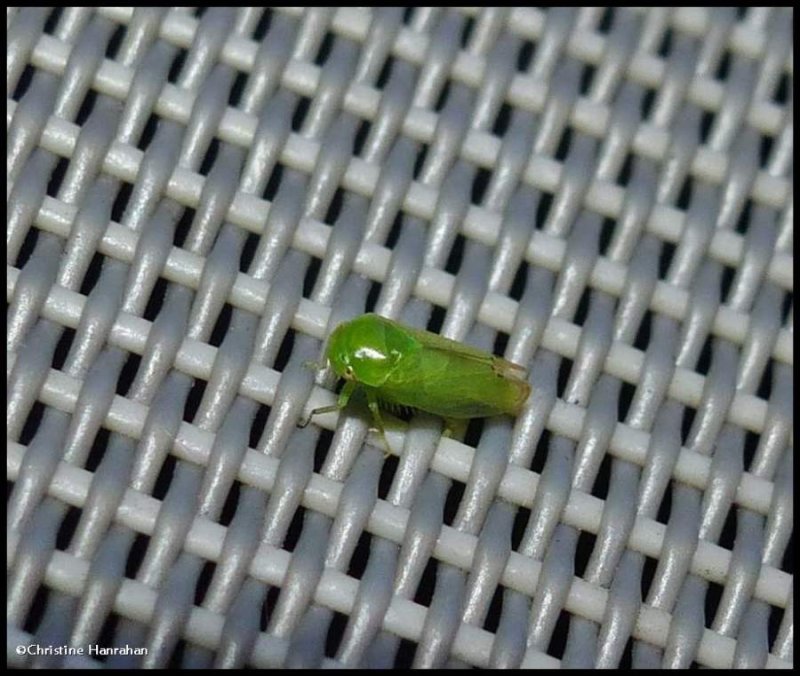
(400, 367)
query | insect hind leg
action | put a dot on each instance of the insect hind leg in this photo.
(375, 409)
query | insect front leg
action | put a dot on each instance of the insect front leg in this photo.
(341, 402)
(372, 403)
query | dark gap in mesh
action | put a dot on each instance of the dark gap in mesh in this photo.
(442, 98)
(136, 555)
(24, 83)
(648, 574)
(712, 598)
(606, 234)
(642, 339)
(502, 121)
(405, 654)
(765, 383)
(358, 562)
(558, 640)
(750, 448)
(36, 612)
(98, 449)
(273, 183)
(788, 302)
(648, 100)
(92, 275)
(285, 351)
(121, 202)
(564, 369)
(727, 536)
(394, 233)
(602, 481)
(540, 453)
(472, 436)
(706, 122)
(361, 137)
(495, 610)
(427, 583)
(607, 18)
(294, 530)
(263, 26)
(454, 496)
(625, 400)
(582, 309)
(176, 66)
(128, 373)
(587, 76)
(336, 630)
(543, 209)
(665, 259)
(270, 601)
(221, 326)
(456, 255)
(479, 185)
(156, 300)
(525, 56)
(408, 15)
(258, 425)
(626, 170)
(419, 162)
(583, 552)
(776, 617)
(87, 106)
(27, 248)
(66, 530)
(325, 48)
(665, 46)
(248, 252)
(323, 446)
(203, 582)
(51, 23)
(745, 217)
(436, 320)
(232, 499)
(564, 144)
(164, 478)
(500, 343)
(235, 95)
(388, 472)
(148, 133)
(706, 354)
(781, 95)
(176, 659)
(686, 424)
(723, 67)
(107, 633)
(312, 271)
(300, 112)
(466, 31)
(665, 506)
(520, 281)
(199, 11)
(193, 400)
(210, 157)
(57, 177)
(335, 207)
(765, 145)
(385, 72)
(521, 520)
(182, 227)
(62, 348)
(372, 296)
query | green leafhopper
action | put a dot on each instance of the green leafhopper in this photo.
(397, 366)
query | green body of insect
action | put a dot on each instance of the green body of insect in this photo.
(397, 366)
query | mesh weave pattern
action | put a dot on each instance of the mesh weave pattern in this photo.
(197, 197)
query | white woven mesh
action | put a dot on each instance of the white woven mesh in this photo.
(196, 198)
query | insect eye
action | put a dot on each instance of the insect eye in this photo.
(348, 372)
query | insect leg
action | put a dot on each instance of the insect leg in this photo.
(344, 397)
(372, 403)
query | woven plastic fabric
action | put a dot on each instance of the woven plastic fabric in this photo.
(197, 197)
